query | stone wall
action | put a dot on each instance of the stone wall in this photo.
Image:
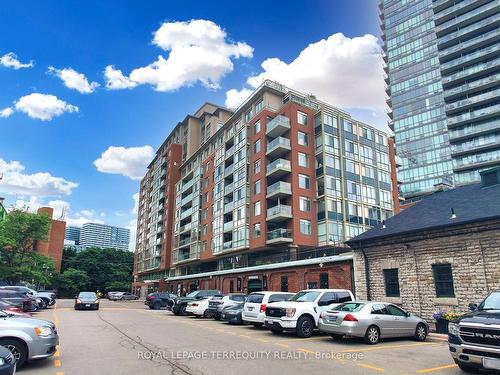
(472, 250)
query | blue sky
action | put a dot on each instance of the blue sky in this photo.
(52, 160)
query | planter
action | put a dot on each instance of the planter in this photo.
(442, 326)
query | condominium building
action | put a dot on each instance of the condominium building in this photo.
(72, 234)
(443, 80)
(104, 236)
(280, 184)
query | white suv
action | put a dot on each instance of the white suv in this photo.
(254, 310)
(301, 312)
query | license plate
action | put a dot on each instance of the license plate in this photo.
(250, 308)
(491, 364)
(270, 321)
(87, 305)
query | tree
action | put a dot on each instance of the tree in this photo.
(71, 281)
(18, 259)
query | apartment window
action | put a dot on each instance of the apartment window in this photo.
(205, 198)
(204, 246)
(259, 105)
(256, 208)
(443, 280)
(256, 166)
(302, 118)
(231, 286)
(304, 181)
(303, 160)
(205, 230)
(256, 230)
(391, 279)
(248, 115)
(305, 204)
(284, 283)
(256, 187)
(303, 139)
(256, 127)
(205, 214)
(305, 226)
(256, 146)
(323, 280)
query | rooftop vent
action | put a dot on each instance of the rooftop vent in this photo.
(490, 177)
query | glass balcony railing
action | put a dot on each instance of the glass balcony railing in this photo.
(474, 100)
(475, 144)
(456, 22)
(473, 70)
(187, 185)
(278, 142)
(278, 125)
(185, 227)
(184, 242)
(472, 160)
(474, 115)
(228, 206)
(230, 152)
(474, 85)
(279, 210)
(182, 255)
(279, 187)
(228, 189)
(279, 234)
(279, 164)
(186, 213)
(472, 130)
(187, 199)
(453, 8)
(227, 245)
(462, 46)
(481, 54)
(228, 170)
(468, 29)
(228, 226)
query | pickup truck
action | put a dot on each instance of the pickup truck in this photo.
(301, 312)
(474, 338)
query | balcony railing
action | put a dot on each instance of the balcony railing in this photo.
(279, 212)
(468, 29)
(474, 116)
(279, 188)
(228, 170)
(481, 39)
(228, 189)
(278, 126)
(474, 85)
(227, 245)
(187, 199)
(228, 226)
(456, 22)
(186, 213)
(483, 53)
(279, 165)
(187, 185)
(184, 242)
(228, 206)
(183, 256)
(277, 146)
(185, 227)
(230, 152)
(279, 235)
(474, 100)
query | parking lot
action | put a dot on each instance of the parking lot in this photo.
(128, 338)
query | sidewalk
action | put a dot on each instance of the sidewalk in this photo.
(438, 336)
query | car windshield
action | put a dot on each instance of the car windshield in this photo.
(193, 294)
(305, 296)
(87, 295)
(492, 302)
(351, 307)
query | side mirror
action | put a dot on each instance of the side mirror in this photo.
(407, 314)
(472, 306)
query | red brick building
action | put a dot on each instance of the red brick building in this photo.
(54, 245)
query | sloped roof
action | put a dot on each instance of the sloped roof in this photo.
(471, 203)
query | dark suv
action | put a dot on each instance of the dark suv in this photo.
(474, 338)
(157, 300)
(179, 307)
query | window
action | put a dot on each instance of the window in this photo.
(256, 208)
(379, 309)
(256, 167)
(303, 160)
(256, 230)
(396, 311)
(343, 297)
(231, 286)
(248, 115)
(284, 283)
(302, 118)
(391, 278)
(205, 230)
(256, 127)
(304, 181)
(323, 280)
(305, 204)
(443, 280)
(303, 139)
(328, 298)
(256, 146)
(259, 105)
(305, 226)
(256, 187)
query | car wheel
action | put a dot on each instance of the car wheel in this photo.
(18, 350)
(206, 314)
(372, 335)
(305, 327)
(257, 325)
(44, 304)
(336, 336)
(420, 332)
(468, 368)
(182, 310)
(156, 306)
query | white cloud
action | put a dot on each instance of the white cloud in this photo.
(10, 60)
(135, 209)
(82, 217)
(345, 72)
(234, 97)
(199, 51)
(131, 162)
(42, 184)
(61, 209)
(43, 107)
(6, 112)
(132, 226)
(74, 80)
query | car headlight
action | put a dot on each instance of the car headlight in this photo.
(43, 331)
(453, 329)
(290, 312)
(96, 301)
(2, 361)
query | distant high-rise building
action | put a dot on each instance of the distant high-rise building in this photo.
(443, 80)
(72, 234)
(104, 236)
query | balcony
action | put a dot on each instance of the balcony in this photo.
(471, 58)
(467, 18)
(185, 228)
(278, 126)
(482, 99)
(448, 13)
(471, 44)
(467, 32)
(187, 185)
(279, 189)
(480, 114)
(185, 242)
(278, 168)
(186, 213)
(476, 145)
(227, 245)
(230, 152)
(180, 256)
(469, 73)
(278, 147)
(228, 170)
(228, 226)
(471, 131)
(228, 207)
(279, 213)
(186, 200)
(228, 189)
(471, 87)
(279, 236)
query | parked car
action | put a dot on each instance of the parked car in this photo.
(179, 307)
(11, 308)
(301, 312)
(474, 338)
(7, 362)
(26, 303)
(254, 309)
(219, 303)
(157, 300)
(43, 299)
(27, 338)
(123, 296)
(198, 307)
(86, 301)
(372, 321)
(109, 294)
(232, 314)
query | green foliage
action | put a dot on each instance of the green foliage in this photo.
(71, 281)
(120, 286)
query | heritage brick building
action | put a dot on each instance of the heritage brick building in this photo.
(54, 245)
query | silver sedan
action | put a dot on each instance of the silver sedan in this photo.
(372, 321)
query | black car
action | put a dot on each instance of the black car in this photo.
(86, 301)
(179, 307)
(7, 362)
(232, 314)
(157, 300)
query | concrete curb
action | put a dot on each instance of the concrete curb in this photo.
(438, 336)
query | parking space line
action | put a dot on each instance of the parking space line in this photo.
(384, 347)
(59, 373)
(57, 353)
(283, 345)
(305, 339)
(306, 351)
(245, 336)
(57, 363)
(427, 370)
(370, 367)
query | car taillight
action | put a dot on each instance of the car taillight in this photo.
(263, 308)
(151, 297)
(194, 304)
(350, 318)
(321, 315)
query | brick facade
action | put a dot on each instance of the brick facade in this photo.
(54, 245)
